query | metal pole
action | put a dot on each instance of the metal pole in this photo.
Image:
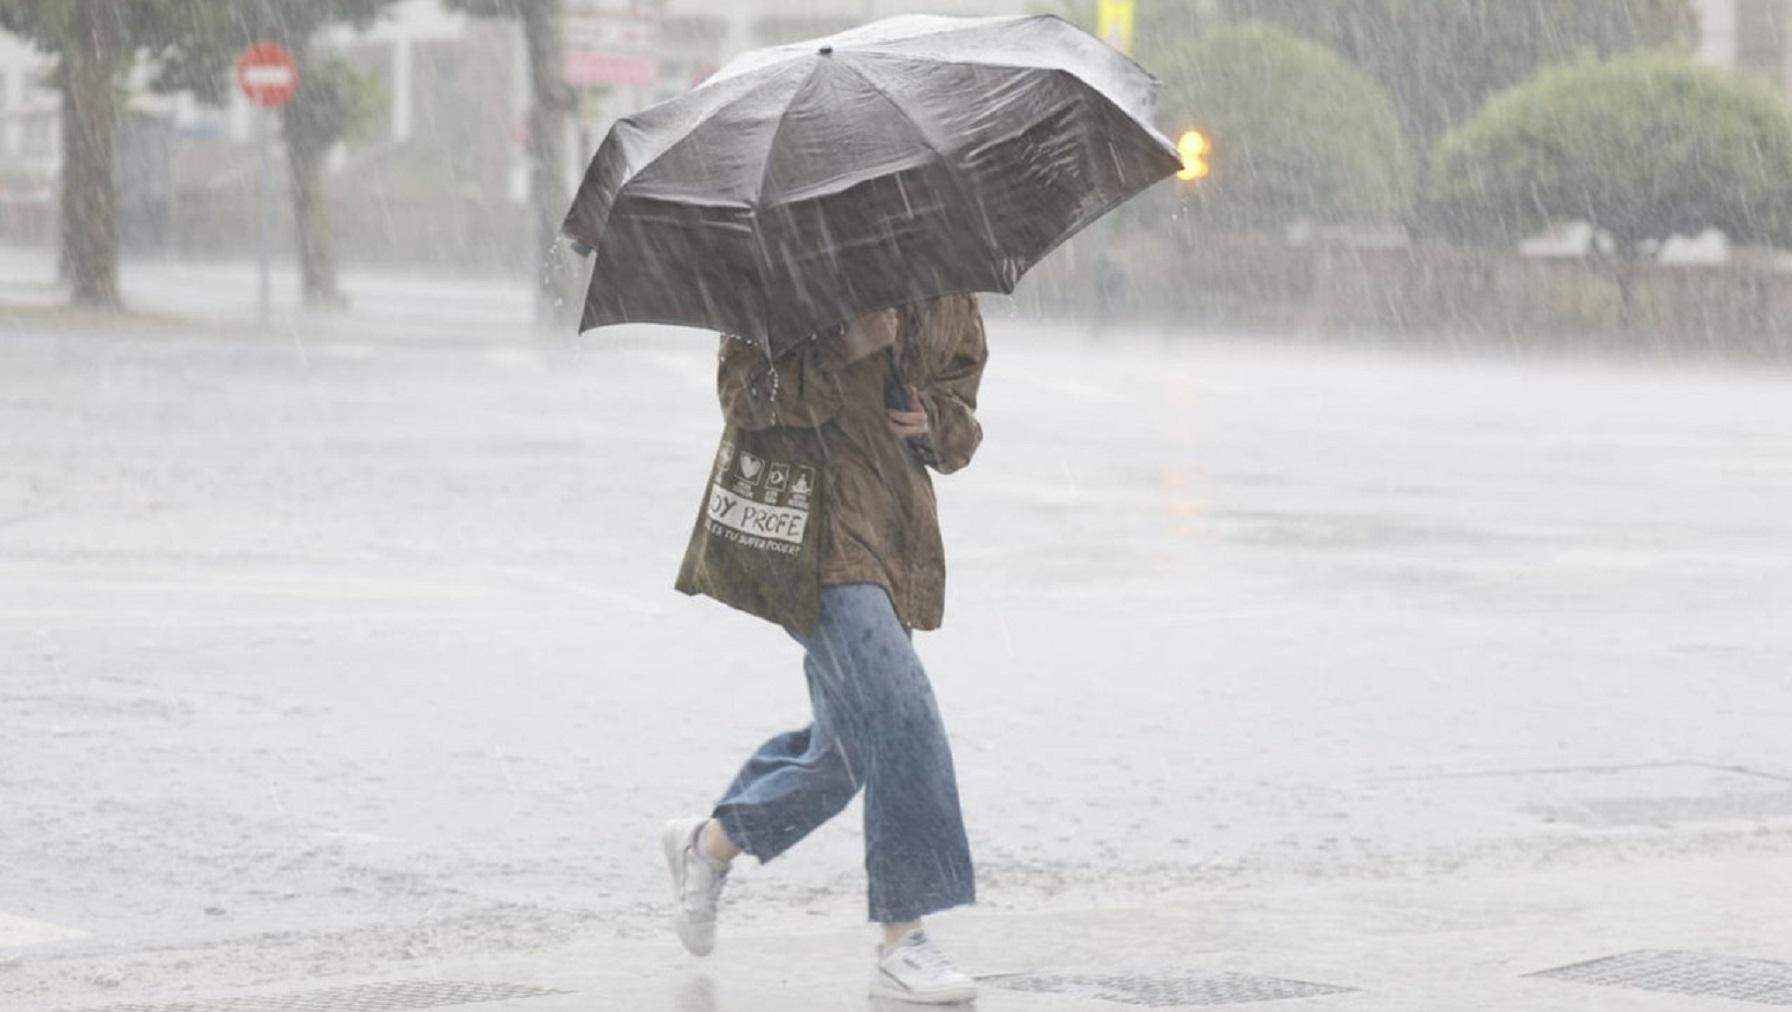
(261, 202)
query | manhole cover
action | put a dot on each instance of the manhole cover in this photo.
(1165, 992)
(1643, 794)
(1690, 973)
(1753, 807)
(399, 994)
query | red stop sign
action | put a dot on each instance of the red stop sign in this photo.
(267, 74)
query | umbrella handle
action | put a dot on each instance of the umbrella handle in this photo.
(896, 399)
(895, 387)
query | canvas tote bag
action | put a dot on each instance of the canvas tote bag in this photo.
(757, 541)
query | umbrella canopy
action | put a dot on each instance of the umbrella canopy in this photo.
(918, 156)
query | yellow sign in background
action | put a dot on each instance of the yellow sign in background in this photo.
(1115, 25)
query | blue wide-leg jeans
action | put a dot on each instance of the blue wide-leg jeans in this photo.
(876, 726)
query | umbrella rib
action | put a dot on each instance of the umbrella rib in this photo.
(1059, 71)
(1100, 96)
(792, 51)
(765, 173)
(980, 24)
(763, 262)
(893, 47)
(722, 106)
(984, 233)
(692, 129)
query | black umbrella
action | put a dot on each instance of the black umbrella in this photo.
(917, 156)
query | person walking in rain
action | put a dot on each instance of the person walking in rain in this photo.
(876, 725)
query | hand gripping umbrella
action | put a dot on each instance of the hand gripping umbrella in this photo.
(805, 185)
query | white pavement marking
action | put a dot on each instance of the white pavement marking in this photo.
(16, 931)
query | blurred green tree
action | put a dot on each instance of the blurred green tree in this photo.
(200, 43)
(557, 289)
(1642, 148)
(1441, 59)
(1297, 133)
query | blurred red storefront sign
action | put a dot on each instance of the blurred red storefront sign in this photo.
(616, 70)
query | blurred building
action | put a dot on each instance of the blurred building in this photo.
(1748, 36)
(627, 54)
(30, 140)
(438, 176)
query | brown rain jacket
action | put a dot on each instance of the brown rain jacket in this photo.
(882, 525)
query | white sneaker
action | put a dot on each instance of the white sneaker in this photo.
(915, 970)
(696, 885)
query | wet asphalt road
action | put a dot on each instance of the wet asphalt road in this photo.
(355, 653)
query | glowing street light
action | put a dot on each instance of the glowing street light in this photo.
(1194, 147)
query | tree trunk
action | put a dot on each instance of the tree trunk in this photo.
(90, 117)
(305, 151)
(65, 266)
(557, 294)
